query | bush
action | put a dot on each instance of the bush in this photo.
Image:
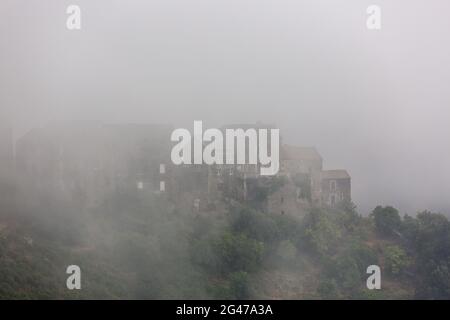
(430, 238)
(328, 289)
(238, 253)
(239, 285)
(255, 224)
(387, 220)
(321, 232)
(396, 260)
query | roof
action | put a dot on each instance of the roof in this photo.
(335, 174)
(289, 152)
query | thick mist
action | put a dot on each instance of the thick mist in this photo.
(373, 102)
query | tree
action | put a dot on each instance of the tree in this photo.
(387, 220)
(396, 259)
(238, 253)
(431, 240)
(321, 232)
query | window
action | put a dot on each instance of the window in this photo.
(333, 185)
(333, 200)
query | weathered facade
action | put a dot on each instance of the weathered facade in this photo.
(85, 164)
(302, 165)
(300, 168)
(336, 187)
(307, 182)
(88, 164)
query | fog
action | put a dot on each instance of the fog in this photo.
(373, 102)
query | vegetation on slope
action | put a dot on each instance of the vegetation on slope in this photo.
(130, 247)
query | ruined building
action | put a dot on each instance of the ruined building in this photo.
(335, 187)
(306, 183)
(301, 181)
(87, 164)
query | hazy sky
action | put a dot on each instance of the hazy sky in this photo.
(374, 102)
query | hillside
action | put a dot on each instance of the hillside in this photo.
(153, 249)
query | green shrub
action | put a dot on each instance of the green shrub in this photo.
(387, 220)
(396, 260)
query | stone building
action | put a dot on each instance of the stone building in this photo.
(302, 166)
(306, 184)
(86, 163)
(236, 180)
(300, 169)
(336, 187)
